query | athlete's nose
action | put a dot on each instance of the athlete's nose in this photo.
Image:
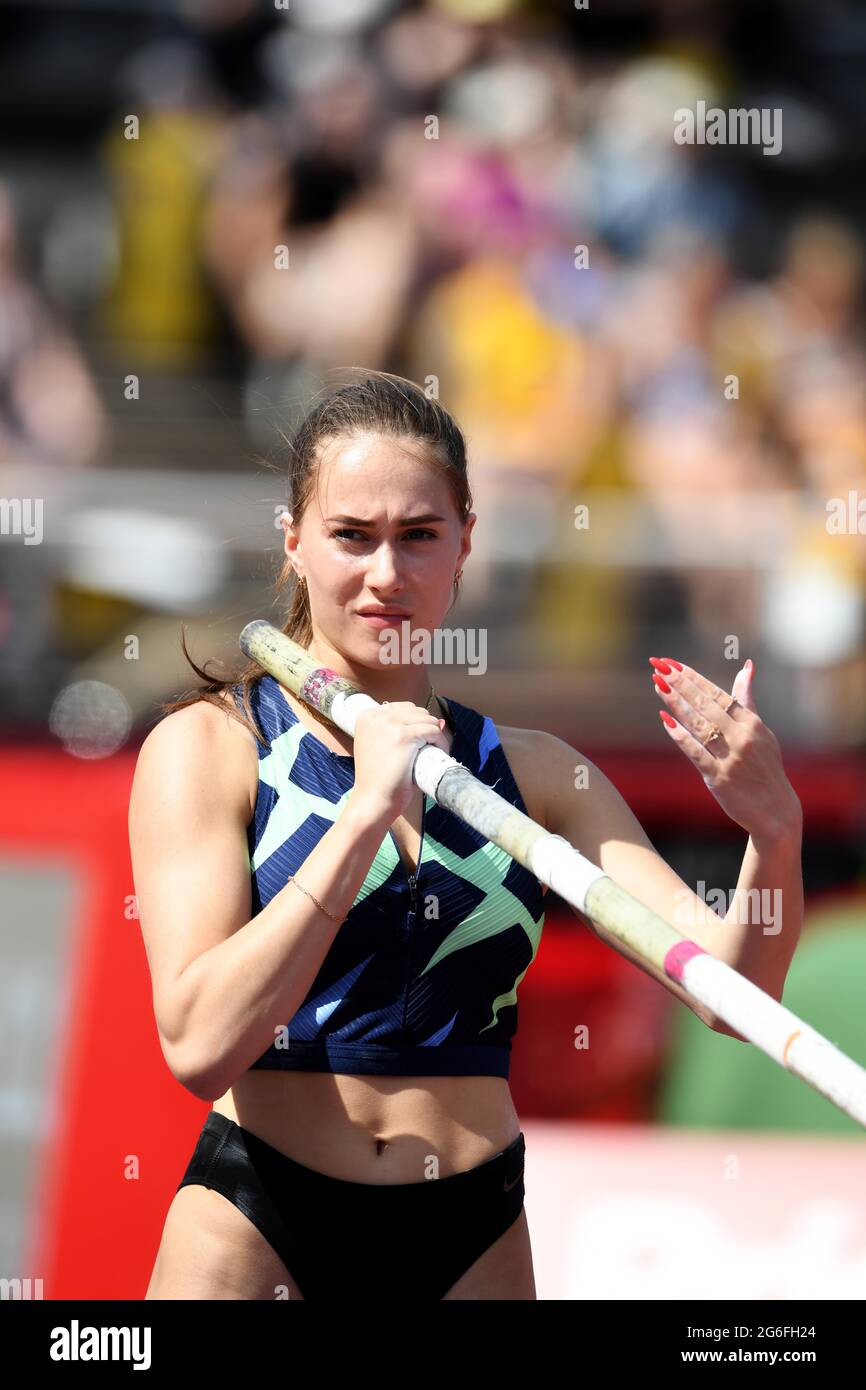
(384, 570)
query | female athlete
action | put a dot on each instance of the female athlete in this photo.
(335, 958)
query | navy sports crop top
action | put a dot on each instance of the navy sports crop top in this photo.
(421, 978)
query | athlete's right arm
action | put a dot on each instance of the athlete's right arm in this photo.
(223, 984)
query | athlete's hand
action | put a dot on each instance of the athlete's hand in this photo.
(741, 762)
(386, 741)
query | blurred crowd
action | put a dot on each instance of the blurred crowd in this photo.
(473, 196)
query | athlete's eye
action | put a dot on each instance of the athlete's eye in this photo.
(347, 533)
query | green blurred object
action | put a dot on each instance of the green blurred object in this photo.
(716, 1082)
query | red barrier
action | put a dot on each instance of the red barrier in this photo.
(124, 1127)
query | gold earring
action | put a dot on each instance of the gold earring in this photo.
(458, 576)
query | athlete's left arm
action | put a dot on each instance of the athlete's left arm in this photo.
(572, 797)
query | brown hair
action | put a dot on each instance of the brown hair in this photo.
(380, 403)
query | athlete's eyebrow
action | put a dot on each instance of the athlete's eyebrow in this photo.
(405, 521)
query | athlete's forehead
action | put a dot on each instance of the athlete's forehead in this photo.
(380, 478)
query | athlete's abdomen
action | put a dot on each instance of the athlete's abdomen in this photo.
(376, 1128)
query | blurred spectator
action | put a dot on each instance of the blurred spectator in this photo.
(49, 410)
(160, 307)
(491, 201)
(51, 420)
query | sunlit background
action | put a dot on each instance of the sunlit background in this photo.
(211, 208)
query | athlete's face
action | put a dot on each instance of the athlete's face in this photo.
(380, 531)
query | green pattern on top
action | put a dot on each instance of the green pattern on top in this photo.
(496, 912)
(486, 869)
(294, 805)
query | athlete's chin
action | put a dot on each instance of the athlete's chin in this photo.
(378, 646)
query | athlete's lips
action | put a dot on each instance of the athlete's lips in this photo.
(383, 613)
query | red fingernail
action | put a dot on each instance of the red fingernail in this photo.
(662, 685)
(678, 664)
(671, 723)
(660, 665)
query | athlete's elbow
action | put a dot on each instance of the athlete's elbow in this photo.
(201, 1078)
(203, 1066)
(197, 1070)
(208, 1071)
(190, 1051)
(204, 1088)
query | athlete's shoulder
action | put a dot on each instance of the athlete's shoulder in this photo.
(554, 770)
(204, 745)
(530, 758)
(547, 769)
(203, 719)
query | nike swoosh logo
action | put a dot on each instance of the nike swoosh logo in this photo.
(507, 1186)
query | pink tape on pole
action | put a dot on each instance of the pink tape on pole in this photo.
(678, 957)
(321, 686)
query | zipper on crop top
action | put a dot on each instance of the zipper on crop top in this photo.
(413, 877)
(412, 913)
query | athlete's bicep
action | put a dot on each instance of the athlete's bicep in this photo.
(187, 831)
(584, 806)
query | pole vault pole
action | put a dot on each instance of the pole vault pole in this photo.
(754, 1014)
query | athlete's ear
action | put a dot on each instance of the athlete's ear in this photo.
(466, 543)
(291, 541)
